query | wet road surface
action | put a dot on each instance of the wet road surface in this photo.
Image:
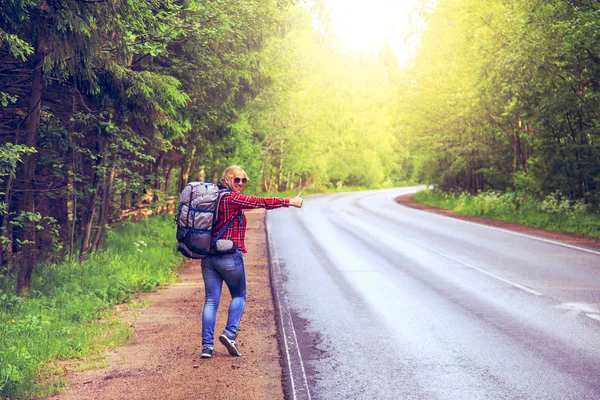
(382, 301)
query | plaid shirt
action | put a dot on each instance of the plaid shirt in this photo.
(232, 206)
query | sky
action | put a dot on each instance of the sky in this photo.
(364, 25)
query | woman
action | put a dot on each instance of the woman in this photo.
(230, 267)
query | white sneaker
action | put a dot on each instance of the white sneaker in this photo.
(231, 345)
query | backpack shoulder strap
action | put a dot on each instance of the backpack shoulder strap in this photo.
(222, 194)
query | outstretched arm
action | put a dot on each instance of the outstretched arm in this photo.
(269, 203)
(297, 201)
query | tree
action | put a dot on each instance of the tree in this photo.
(325, 120)
(505, 93)
(109, 94)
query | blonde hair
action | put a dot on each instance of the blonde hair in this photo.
(230, 172)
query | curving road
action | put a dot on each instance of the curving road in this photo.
(380, 301)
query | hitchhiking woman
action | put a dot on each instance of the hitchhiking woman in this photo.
(230, 267)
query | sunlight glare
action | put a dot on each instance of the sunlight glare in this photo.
(365, 25)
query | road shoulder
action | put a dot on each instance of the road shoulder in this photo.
(163, 361)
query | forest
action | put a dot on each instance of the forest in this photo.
(108, 105)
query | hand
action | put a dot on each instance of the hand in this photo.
(297, 201)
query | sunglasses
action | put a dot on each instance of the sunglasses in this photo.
(238, 180)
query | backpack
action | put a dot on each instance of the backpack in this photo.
(196, 218)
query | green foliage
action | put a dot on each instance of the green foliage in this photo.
(18, 47)
(10, 156)
(505, 94)
(326, 119)
(60, 319)
(6, 99)
(131, 94)
(140, 97)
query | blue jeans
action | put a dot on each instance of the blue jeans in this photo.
(215, 270)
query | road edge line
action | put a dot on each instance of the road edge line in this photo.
(288, 341)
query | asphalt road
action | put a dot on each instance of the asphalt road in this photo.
(380, 301)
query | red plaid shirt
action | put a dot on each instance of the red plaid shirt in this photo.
(234, 203)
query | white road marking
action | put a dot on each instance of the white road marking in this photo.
(517, 285)
(354, 220)
(590, 310)
(593, 316)
(585, 307)
(538, 238)
(541, 239)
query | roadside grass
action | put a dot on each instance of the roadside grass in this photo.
(69, 315)
(554, 213)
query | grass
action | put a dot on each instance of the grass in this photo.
(554, 213)
(69, 314)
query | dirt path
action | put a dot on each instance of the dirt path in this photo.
(163, 361)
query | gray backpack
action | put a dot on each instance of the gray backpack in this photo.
(196, 218)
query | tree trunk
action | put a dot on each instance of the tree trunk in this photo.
(88, 222)
(468, 184)
(6, 230)
(519, 157)
(158, 169)
(167, 175)
(186, 167)
(90, 213)
(280, 173)
(73, 227)
(105, 206)
(73, 182)
(28, 202)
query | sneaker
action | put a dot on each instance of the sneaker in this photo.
(207, 351)
(230, 344)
